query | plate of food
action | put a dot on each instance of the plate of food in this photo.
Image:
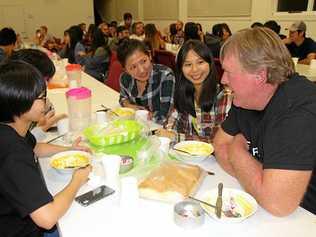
(66, 162)
(192, 151)
(237, 205)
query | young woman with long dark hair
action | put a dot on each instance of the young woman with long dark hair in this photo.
(201, 103)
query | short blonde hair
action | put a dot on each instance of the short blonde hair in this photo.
(260, 48)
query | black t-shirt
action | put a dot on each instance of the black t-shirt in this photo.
(283, 135)
(22, 190)
(308, 46)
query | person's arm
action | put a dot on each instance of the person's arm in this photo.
(48, 215)
(49, 120)
(128, 104)
(44, 149)
(308, 59)
(222, 142)
(279, 191)
(124, 95)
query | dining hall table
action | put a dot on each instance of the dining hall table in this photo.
(107, 217)
(307, 71)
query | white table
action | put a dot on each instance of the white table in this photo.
(101, 94)
(307, 71)
(154, 218)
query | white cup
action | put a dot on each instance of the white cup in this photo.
(73, 84)
(101, 117)
(63, 126)
(129, 192)
(313, 63)
(295, 60)
(111, 164)
(141, 115)
(164, 144)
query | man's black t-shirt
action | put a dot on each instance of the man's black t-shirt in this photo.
(283, 135)
(22, 189)
(308, 46)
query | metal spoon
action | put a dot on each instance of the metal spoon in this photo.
(186, 152)
(108, 109)
(205, 203)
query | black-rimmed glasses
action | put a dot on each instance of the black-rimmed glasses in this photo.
(42, 97)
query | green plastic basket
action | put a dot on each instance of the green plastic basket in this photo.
(127, 130)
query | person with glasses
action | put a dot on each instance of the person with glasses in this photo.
(144, 85)
(201, 102)
(26, 206)
(42, 62)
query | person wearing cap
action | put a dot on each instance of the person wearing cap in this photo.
(299, 45)
(267, 142)
(7, 42)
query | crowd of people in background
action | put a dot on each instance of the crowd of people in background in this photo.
(92, 47)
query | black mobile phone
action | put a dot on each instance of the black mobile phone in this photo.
(94, 195)
(52, 129)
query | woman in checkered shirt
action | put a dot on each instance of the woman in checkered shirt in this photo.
(201, 102)
(145, 85)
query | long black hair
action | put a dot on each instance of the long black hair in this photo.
(75, 35)
(184, 89)
(99, 40)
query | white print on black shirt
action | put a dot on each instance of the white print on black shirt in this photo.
(253, 150)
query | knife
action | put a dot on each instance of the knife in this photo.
(219, 201)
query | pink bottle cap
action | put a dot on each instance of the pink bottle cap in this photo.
(73, 67)
(79, 93)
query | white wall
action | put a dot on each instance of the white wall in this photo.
(58, 15)
(261, 10)
(25, 16)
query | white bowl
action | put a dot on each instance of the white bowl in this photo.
(68, 159)
(199, 150)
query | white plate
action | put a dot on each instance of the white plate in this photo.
(243, 203)
(201, 151)
(69, 154)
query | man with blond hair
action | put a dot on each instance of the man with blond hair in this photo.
(267, 141)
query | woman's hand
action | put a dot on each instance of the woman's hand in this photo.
(49, 120)
(81, 175)
(76, 146)
(82, 53)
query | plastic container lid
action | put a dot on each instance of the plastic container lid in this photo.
(73, 67)
(79, 93)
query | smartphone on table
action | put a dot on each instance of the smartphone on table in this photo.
(94, 195)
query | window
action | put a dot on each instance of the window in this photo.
(293, 6)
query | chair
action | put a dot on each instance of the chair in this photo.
(165, 57)
(115, 70)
